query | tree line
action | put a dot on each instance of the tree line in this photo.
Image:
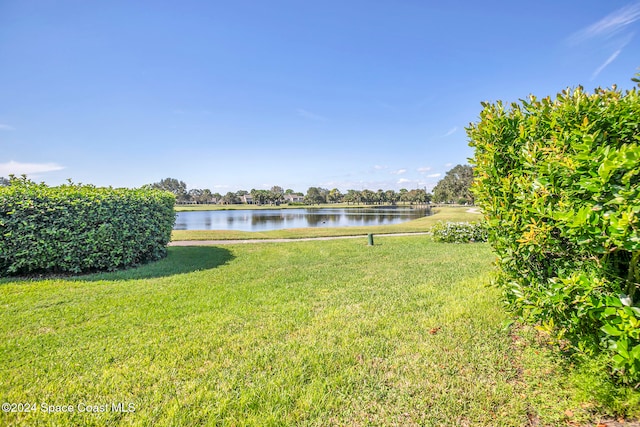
(454, 187)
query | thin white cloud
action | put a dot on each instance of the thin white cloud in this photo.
(424, 170)
(434, 175)
(6, 127)
(17, 168)
(609, 25)
(403, 181)
(448, 165)
(311, 116)
(399, 172)
(613, 30)
(451, 131)
(606, 63)
(380, 167)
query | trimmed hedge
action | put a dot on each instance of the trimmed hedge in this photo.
(559, 182)
(80, 228)
(459, 232)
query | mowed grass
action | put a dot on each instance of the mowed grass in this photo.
(329, 333)
(418, 225)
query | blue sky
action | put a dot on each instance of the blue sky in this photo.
(231, 95)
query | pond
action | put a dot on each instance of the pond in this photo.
(277, 219)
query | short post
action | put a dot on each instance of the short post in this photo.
(370, 236)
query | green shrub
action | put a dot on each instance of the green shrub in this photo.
(558, 180)
(78, 228)
(459, 232)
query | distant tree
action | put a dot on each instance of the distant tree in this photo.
(352, 196)
(324, 192)
(260, 197)
(276, 193)
(391, 196)
(429, 197)
(455, 186)
(316, 195)
(4, 182)
(200, 196)
(415, 196)
(241, 193)
(179, 188)
(194, 195)
(205, 196)
(403, 195)
(265, 196)
(230, 198)
(335, 196)
(381, 196)
(368, 196)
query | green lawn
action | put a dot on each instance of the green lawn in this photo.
(316, 333)
(418, 225)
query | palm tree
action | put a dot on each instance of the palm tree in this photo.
(335, 196)
(368, 196)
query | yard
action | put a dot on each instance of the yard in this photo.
(316, 333)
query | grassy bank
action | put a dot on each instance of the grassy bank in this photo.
(418, 225)
(307, 334)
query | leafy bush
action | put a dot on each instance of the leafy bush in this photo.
(459, 232)
(558, 180)
(77, 228)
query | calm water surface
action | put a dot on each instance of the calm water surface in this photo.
(277, 219)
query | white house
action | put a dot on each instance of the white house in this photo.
(293, 198)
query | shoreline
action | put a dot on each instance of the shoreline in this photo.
(285, 240)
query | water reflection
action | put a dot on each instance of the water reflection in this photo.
(273, 219)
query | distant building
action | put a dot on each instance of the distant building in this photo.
(247, 199)
(293, 198)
